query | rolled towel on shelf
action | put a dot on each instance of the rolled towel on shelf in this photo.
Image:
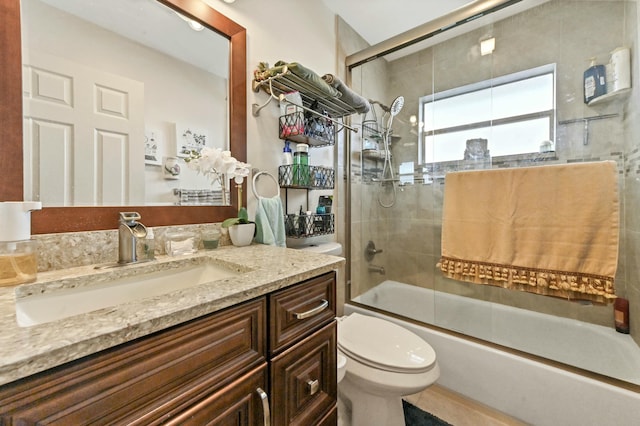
(310, 77)
(349, 97)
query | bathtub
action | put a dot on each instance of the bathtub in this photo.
(532, 391)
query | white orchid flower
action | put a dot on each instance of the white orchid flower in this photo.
(214, 162)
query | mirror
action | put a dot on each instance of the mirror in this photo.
(116, 95)
(67, 219)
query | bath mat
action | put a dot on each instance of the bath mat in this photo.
(414, 416)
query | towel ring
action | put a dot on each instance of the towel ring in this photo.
(255, 178)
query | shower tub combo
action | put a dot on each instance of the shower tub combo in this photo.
(530, 390)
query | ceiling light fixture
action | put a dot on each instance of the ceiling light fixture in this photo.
(487, 46)
(195, 25)
(228, 1)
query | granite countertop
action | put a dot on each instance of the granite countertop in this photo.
(28, 350)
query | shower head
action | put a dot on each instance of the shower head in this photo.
(397, 105)
(394, 109)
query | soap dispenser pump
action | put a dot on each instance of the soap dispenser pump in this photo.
(595, 82)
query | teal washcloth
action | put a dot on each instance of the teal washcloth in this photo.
(270, 222)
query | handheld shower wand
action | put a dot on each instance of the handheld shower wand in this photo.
(387, 169)
(394, 110)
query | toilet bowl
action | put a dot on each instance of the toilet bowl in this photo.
(332, 248)
(342, 366)
(384, 363)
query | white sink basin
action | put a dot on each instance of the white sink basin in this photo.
(47, 307)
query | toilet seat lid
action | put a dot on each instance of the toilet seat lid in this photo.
(384, 345)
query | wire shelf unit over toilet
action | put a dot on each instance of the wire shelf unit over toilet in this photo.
(316, 122)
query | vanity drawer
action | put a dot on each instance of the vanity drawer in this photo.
(242, 403)
(146, 381)
(304, 385)
(299, 310)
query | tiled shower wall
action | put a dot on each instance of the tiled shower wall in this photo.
(566, 33)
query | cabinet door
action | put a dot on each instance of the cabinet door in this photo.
(303, 380)
(242, 403)
(297, 311)
(146, 381)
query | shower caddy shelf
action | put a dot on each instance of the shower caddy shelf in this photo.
(297, 128)
(313, 225)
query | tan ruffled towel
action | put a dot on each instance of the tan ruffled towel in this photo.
(550, 230)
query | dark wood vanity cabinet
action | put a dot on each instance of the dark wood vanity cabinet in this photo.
(220, 369)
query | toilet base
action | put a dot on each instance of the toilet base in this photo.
(357, 408)
(344, 412)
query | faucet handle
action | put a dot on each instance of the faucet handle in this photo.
(370, 251)
(129, 217)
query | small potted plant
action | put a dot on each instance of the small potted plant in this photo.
(241, 229)
(218, 164)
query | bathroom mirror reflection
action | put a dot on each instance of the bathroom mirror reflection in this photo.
(159, 82)
(492, 129)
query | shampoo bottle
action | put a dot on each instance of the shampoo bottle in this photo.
(595, 82)
(285, 171)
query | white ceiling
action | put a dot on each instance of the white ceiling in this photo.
(378, 20)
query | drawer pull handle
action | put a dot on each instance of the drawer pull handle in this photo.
(266, 413)
(311, 312)
(314, 386)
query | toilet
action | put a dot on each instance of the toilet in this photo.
(384, 363)
(332, 248)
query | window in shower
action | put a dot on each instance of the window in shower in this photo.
(515, 113)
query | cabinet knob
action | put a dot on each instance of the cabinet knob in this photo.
(313, 386)
(324, 304)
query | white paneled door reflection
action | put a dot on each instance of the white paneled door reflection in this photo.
(84, 134)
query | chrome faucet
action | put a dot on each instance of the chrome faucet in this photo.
(129, 231)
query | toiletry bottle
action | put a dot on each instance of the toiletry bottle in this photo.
(150, 245)
(595, 83)
(621, 315)
(285, 171)
(619, 70)
(302, 223)
(319, 222)
(301, 165)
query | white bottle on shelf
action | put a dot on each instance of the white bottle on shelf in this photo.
(285, 171)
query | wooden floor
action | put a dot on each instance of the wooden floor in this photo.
(459, 410)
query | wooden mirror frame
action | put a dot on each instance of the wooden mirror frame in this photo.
(76, 219)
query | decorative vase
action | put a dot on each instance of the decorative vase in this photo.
(242, 234)
(225, 196)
